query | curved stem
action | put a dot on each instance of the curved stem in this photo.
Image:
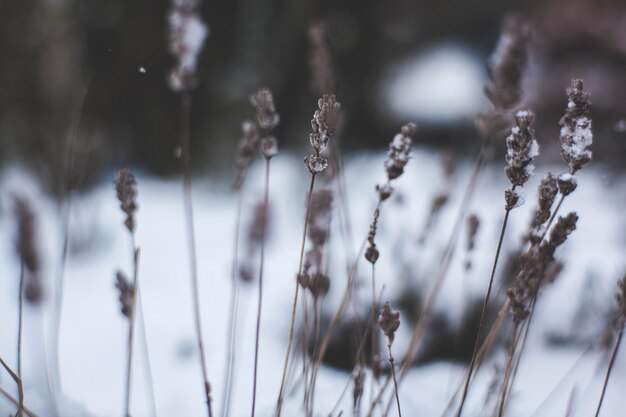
(483, 313)
(233, 313)
(261, 267)
(395, 381)
(609, 369)
(191, 242)
(20, 319)
(281, 393)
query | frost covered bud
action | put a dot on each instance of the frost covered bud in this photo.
(186, 36)
(513, 199)
(389, 322)
(269, 147)
(576, 134)
(522, 148)
(315, 164)
(126, 189)
(507, 63)
(400, 151)
(567, 183)
(384, 191)
(324, 122)
(263, 102)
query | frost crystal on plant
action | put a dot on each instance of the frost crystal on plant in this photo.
(400, 151)
(186, 36)
(576, 134)
(522, 148)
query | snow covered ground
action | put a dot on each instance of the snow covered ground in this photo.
(93, 333)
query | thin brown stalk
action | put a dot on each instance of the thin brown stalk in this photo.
(20, 387)
(609, 369)
(509, 366)
(233, 313)
(16, 403)
(281, 392)
(131, 330)
(483, 313)
(448, 253)
(261, 267)
(20, 319)
(395, 381)
(65, 209)
(191, 241)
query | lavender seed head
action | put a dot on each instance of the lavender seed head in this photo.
(267, 116)
(27, 249)
(507, 64)
(400, 151)
(567, 183)
(389, 322)
(246, 151)
(548, 190)
(576, 134)
(186, 35)
(371, 253)
(126, 189)
(126, 294)
(522, 148)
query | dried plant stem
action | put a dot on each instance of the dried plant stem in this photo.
(233, 313)
(610, 368)
(395, 381)
(446, 260)
(191, 241)
(131, 329)
(16, 403)
(20, 319)
(65, 209)
(20, 387)
(373, 329)
(260, 304)
(281, 392)
(509, 367)
(483, 313)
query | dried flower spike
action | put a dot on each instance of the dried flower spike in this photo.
(126, 293)
(263, 102)
(620, 299)
(186, 36)
(126, 189)
(548, 189)
(320, 60)
(507, 63)
(319, 218)
(371, 254)
(389, 322)
(522, 148)
(576, 134)
(400, 151)
(26, 249)
(324, 123)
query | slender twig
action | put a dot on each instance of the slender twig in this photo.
(281, 392)
(233, 313)
(446, 260)
(131, 329)
(20, 387)
(610, 368)
(191, 241)
(395, 381)
(483, 313)
(509, 366)
(261, 267)
(16, 403)
(20, 319)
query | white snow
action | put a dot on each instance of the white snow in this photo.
(94, 332)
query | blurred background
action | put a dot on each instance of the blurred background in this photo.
(417, 60)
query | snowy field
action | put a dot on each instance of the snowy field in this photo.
(93, 332)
